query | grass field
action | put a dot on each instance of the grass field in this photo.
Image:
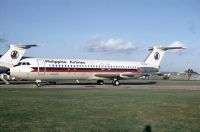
(99, 110)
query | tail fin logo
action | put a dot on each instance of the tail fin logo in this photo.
(156, 56)
(14, 54)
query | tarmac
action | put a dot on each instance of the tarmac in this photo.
(144, 84)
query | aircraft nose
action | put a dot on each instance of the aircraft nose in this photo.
(13, 71)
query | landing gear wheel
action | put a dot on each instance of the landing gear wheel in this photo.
(100, 82)
(38, 84)
(115, 83)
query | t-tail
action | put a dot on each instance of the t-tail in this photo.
(155, 57)
(14, 54)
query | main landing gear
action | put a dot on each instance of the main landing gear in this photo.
(115, 83)
(4, 78)
(39, 83)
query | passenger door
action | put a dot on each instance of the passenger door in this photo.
(41, 67)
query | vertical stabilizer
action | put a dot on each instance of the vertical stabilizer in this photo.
(156, 56)
(13, 55)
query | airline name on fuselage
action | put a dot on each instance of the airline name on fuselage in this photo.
(63, 61)
(55, 61)
(76, 62)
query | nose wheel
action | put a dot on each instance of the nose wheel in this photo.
(100, 82)
(38, 83)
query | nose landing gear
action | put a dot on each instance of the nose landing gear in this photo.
(100, 82)
(38, 83)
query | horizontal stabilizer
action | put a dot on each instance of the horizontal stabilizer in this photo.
(167, 48)
(24, 46)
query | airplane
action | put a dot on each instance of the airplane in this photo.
(11, 58)
(48, 69)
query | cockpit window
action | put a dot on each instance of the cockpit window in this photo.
(18, 64)
(22, 63)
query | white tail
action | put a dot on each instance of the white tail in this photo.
(157, 54)
(14, 54)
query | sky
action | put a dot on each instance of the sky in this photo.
(104, 29)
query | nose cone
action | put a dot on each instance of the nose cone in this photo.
(20, 71)
(14, 71)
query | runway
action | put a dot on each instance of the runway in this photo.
(137, 84)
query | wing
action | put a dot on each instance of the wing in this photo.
(118, 75)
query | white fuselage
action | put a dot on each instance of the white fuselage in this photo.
(63, 69)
